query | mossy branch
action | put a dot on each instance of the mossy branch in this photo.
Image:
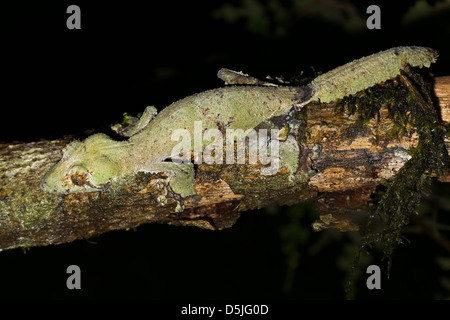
(350, 161)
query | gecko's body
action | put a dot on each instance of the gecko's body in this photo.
(87, 166)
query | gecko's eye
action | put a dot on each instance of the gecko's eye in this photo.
(79, 175)
(78, 179)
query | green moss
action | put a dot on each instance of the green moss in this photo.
(410, 108)
(126, 120)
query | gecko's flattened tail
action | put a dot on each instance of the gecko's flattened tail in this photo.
(364, 73)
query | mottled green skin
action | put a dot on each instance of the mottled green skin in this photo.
(87, 166)
(366, 72)
(99, 159)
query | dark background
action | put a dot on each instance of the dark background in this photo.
(127, 56)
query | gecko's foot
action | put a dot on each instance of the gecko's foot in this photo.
(179, 207)
(192, 199)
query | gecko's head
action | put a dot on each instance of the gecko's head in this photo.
(84, 167)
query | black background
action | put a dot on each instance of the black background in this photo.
(128, 55)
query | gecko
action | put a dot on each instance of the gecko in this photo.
(246, 102)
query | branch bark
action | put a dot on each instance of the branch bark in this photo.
(349, 163)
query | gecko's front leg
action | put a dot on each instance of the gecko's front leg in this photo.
(181, 178)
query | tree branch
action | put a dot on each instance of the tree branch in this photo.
(350, 163)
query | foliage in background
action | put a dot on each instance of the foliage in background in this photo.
(275, 18)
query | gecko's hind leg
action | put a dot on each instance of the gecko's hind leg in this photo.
(136, 124)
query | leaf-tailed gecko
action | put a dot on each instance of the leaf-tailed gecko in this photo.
(88, 165)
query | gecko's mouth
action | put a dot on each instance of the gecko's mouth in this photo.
(50, 183)
(44, 186)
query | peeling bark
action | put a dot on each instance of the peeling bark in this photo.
(349, 162)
